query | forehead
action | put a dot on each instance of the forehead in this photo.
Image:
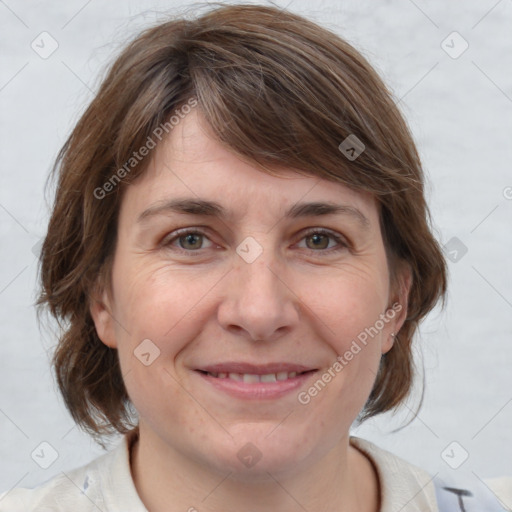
(191, 163)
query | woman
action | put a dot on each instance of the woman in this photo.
(239, 253)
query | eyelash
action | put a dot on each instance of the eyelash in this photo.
(343, 244)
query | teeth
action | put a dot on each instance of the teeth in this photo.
(251, 378)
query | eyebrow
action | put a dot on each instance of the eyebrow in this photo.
(200, 207)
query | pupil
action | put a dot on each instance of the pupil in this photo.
(191, 241)
(319, 241)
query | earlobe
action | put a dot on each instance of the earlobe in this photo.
(399, 306)
(405, 283)
(388, 341)
(102, 317)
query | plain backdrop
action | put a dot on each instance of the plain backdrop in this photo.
(456, 93)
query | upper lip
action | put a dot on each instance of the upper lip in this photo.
(255, 369)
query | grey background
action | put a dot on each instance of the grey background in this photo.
(460, 111)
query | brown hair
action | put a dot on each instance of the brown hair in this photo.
(278, 90)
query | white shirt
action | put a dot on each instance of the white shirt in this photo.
(106, 485)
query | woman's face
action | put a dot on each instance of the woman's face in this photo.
(224, 269)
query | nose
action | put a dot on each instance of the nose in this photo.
(258, 304)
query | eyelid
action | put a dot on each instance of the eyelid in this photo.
(169, 239)
(342, 241)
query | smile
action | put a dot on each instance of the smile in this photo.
(253, 382)
(251, 378)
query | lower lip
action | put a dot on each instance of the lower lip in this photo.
(257, 390)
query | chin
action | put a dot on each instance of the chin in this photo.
(259, 449)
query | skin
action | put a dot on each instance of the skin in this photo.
(200, 303)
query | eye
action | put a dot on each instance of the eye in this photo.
(322, 240)
(188, 240)
(191, 241)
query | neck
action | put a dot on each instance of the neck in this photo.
(169, 480)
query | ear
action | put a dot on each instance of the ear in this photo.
(397, 307)
(101, 313)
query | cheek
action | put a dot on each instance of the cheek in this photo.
(156, 317)
(346, 310)
(159, 303)
(348, 300)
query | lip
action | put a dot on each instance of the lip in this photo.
(256, 369)
(256, 390)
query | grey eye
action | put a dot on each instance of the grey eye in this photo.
(191, 241)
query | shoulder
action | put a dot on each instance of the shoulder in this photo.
(67, 491)
(403, 486)
(502, 488)
(103, 484)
